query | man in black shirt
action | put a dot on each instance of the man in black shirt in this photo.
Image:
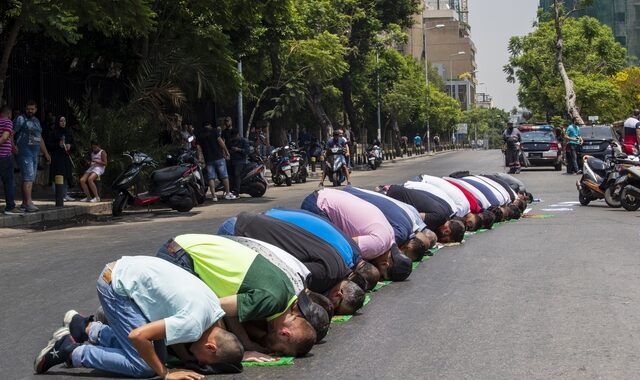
(434, 211)
(329, 272)
(213, 151)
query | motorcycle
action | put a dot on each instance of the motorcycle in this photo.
(280, 166)
(597, 181)
(374, 157)
(175, 186)
(298, 161)
(253, 181)
(629, 184)
(334, 164)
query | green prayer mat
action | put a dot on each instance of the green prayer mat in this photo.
(415, 264)
(345, 318)
(538, 216)
(285, 360)
(341, 318)
(380, 285)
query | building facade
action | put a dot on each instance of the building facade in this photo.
(622, 16)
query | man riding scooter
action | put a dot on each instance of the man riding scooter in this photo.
(337, 141)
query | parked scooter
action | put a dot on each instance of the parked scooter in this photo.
(298, 161)
(280, 166)
(335, 163)
(253, 181)
(175, 186)
(374, 157)
(598, 177)
(629, 183)
(189, 157)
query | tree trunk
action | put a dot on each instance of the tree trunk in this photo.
(347, 101)
(315, 103)
(14, 30)
(570, 93)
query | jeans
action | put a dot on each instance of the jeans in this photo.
(180, 258)
(237, 166)
(6, 175)
(218, 167)
(28, 161)
(111, 350)
(310, 203)
(228, 227)
(572, 160)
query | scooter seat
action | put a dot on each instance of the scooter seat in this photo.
(167, 174)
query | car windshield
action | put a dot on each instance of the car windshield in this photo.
(599, 133)
(538, 136)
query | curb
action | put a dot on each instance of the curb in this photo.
(49, 212)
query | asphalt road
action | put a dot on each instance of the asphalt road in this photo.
(538, 298)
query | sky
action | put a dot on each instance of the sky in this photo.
(492, 23)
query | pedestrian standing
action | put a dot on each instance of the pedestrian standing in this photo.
(97, 166)
(239, 150)
(574, 140)
(6, 161)
(512, 139)
(213, 152)
(61, 145)
(29, 143)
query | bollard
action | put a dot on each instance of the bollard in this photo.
(313, 164)
(59, 182)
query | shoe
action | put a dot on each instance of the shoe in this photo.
(321, 184)
(94, 200)
(214, 199)
(348, 183)
(57, 351)
(85, 199)
(14, 211)
(77, 325)
(68, 198)
(23, 208)
(579, 172)
(230, 196)
(31, 208)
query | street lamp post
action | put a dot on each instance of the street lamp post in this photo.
(426, 75)
(451, 71)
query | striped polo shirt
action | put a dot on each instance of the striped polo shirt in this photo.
(6, 126)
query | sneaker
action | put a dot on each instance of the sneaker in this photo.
(85, 199)
(321, 184)
(14, 211)
(57, 351)
(94, 200)
(77, 325)
(31, 208)
(214, 199)
(230, 196)
(23, 208)
(68, 198)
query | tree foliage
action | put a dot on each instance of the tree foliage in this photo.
(590, 54)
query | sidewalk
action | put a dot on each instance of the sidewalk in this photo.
(43, 199)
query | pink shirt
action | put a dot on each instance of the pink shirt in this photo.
(359, 219)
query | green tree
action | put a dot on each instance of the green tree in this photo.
(65, 20)
(590, 55)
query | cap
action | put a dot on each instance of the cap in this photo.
(402, 265)
(315, 315)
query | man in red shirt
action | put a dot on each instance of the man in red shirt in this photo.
(6, 161)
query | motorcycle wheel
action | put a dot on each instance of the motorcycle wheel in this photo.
(257, 190)
(119, 202)
(558, 167)
(198, 196)
(373, 166)
(612, 199)
(277, 179)
(335, 178)
(628, 201)
(287, 181)
(584, 200)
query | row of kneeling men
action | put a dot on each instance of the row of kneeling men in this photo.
(269, 283)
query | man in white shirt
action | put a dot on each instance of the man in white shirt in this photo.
(146, 300)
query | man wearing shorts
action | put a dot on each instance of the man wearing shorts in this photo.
(6, 160)
(28, 137)
(213, 151)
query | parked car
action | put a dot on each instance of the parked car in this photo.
(597, 141)
(540, 145)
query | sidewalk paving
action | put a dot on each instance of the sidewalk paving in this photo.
(43, 199)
